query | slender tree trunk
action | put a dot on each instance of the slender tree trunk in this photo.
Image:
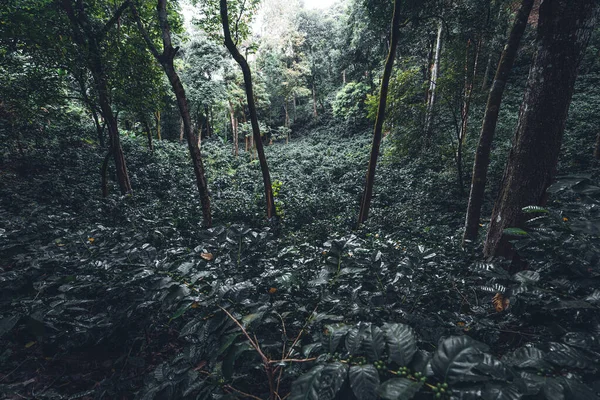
(148, 134)
(387, 71)
(181, 129)
(433, 86)
(468, 90)
(166, 60)
(344, 77)
(564, 29)
(231, 46)
(486, 74)
(597, 147)
(157, 118)
(314, 98)
(86, 37)
(234, 130)
(490, 119)
(104, 174)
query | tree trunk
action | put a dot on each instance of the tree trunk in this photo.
(86, 37)
(234, 128)
(564, 29)
(104, 174)
(433, 86)
(181, 130)
(231, 46)
(148, 134)
(314, 97)
(597, 147)
(482, 155)
(387, 71)
(468, 90)
(166, 60)
(157, 118)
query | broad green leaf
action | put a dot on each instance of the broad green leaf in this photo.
(322, 382)
(401, 342)
(374, 343)
(454, 359)
(364, 381)
(398, 389)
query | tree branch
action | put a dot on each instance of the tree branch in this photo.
(144, 32)
(112, 21)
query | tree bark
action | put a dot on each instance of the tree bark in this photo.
(88, 38)
(157, 118)
(148, 134)
(433, 86)
(166, 60)
(314, 98)
(385, 79)
(234, 129)
(490, 119)
(231, 46)
(564, 29)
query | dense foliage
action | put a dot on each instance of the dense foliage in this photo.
(108, 293)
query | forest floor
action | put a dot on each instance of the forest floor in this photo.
(109, 298)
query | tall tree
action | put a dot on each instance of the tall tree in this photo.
(431, 94)
(89, 38)
(166, 60)
(385, 79)
(232, 47)
(482, 155)
(564, 28)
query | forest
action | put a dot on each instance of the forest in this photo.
(300, 199)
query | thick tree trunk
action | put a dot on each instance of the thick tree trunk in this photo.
(431, 94)
(385, 79)
(564, 28)
(270, 201)
(166, 60)
(482, 155)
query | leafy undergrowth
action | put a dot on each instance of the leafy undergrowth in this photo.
(128, 297)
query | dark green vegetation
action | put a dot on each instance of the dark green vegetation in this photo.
(129, 295)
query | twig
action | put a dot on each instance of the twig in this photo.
(242, 393)
(292, 360)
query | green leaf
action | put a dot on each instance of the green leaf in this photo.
(401, 342)
(232, 354)
(527, 276)
(355, 337)
(336, 333)
(455, 359)
(364, 380)
(374, 342)
(398, 389)
(534, 209)
(514, 232)
(526, 357)
(322, 382)
(181, 310)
